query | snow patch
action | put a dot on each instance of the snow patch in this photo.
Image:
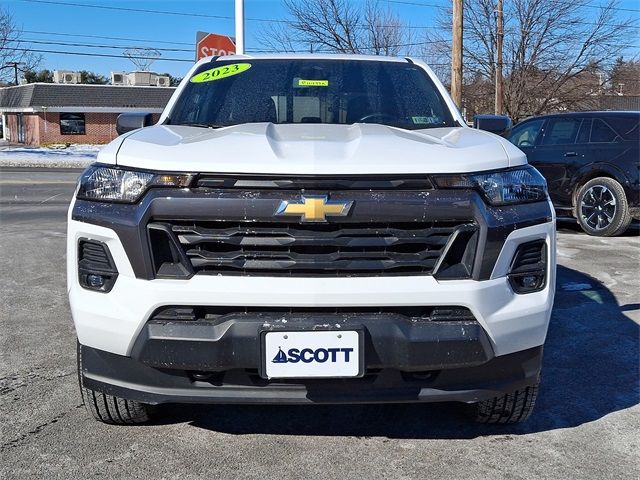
(575, 287)
(54, 156)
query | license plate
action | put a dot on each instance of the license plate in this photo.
(312, 354)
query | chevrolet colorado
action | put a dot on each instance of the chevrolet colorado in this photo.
(310, 229)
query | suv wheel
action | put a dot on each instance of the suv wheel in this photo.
(109, 409)
(602, 208)
(513, 407)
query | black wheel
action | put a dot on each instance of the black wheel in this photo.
(110, 409)
(514, 407)
(602, 208)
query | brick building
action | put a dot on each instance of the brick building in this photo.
(45, 113)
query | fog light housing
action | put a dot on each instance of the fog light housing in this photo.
(528, 272)
(96, 268)
(95, 281)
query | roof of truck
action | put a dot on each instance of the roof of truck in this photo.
(308, 56)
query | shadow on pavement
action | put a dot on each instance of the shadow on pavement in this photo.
(590, 370)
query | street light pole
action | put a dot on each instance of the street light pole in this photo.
(240, 27)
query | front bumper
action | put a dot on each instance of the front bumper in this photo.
(126, 377)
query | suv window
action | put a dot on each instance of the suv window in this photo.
(311, 91)
(603, 133)
(561, 131)
(585, 130)
(525, 135)
(625, 126)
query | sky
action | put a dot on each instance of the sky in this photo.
(50, 23)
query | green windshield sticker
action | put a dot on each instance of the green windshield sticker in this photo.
(424, 120)
(220, 72)
(313, 83)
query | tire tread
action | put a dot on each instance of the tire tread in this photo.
(109, 408)
(509, 408)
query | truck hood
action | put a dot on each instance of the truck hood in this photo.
(312, 149)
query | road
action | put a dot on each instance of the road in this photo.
(585, 426)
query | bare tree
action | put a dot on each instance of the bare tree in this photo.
(339, 26)
(553, 50)
(624, 77)
(13, 49)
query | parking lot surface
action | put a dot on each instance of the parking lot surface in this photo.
(585, 426)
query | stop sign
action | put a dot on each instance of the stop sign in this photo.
(212, 44)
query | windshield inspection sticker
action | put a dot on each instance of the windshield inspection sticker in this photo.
(313, 83)
(220, 72)
(424, 120)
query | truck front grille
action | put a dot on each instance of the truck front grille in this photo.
(262, 248)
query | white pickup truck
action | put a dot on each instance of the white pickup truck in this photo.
(310, 229)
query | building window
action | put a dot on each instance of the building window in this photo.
(72, 124)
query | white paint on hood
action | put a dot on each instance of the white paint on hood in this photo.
(313, 149)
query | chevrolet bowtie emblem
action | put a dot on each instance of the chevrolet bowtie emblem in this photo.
(314, 208)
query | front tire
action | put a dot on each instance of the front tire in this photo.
(602, 208)
(510, 408)
(109, 409)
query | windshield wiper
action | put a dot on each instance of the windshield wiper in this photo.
(201, 125)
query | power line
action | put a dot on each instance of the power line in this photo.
(94, 45)
(92, 54)
(188, 14)
(587, 5)
(417, 4)
(83, 35)
(157, 12)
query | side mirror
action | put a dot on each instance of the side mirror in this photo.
(132, 121)
(498, 124)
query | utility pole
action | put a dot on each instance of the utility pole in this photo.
(240, 27)
(456, 54)
(13, 65)
(499, 41)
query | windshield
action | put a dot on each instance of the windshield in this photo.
(311, 91)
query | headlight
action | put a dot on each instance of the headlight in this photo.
(111, 184)
(517, 185)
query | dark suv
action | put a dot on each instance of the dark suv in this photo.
(591, 163)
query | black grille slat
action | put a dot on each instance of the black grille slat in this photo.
(272, 248)
(283, 264)
(345, 237)
(93, 256)
(220, 313)
(529, 256)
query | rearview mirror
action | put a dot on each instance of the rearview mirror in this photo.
(498, 124)
(132, 121)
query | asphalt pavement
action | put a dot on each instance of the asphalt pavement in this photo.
(586, 424)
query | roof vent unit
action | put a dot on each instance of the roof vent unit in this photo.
(66, 76)
(163, 81)
(144, 79)
(118, 78)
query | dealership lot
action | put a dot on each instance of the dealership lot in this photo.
(585, 425)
